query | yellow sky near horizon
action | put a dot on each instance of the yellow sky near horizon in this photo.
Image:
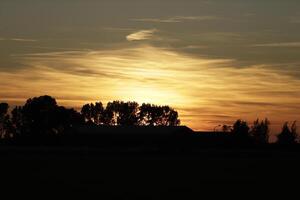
(205, 91)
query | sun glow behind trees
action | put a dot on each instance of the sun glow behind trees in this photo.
(205, 91)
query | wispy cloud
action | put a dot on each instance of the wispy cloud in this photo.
(55, 48)
(199, 87)
(18, 39)
(23, 40)
(191, 47)
(118, 29)
(141, 35)
(279, 44)
(176, 19)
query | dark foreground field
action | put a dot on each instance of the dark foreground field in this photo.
(82, 171)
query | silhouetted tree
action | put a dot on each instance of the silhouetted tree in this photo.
(294, 129)
(109, 117)
(152, 115)
(288, 136)
(241, 131)
(146, 115)
(6, 128)
(66, 119)
(41, 116)
(241, 128)
(17, 119)
(86, 112)
(123, 113)
(130, 113)
(93, 113)
(3, 109)
(170, 117)
(98, 112)
(260, 131)
(226, 128)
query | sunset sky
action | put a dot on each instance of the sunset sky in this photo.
(213, 60)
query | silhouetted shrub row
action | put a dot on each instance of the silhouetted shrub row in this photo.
(42, 116)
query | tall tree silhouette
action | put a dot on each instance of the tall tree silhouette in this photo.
(17, 119)
(109, 117)
(146, 116)
(3, 109)
(260, 131)
(93, 113)
(86, 112)
(6, 128)
(98, 113)
(123, 113)
(288, 135)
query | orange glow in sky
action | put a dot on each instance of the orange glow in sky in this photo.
(206, 92)
(214, 61)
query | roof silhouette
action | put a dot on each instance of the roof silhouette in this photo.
(134, 130)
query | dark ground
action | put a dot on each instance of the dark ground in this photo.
(132, 174)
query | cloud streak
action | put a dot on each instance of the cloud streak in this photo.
(18, 39)
(279, 44)
(176, 19)
(141, 35)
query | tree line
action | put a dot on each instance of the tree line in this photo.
(259, 132)
(42, 116)
(129, 113)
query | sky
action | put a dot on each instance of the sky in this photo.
(213, 60)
